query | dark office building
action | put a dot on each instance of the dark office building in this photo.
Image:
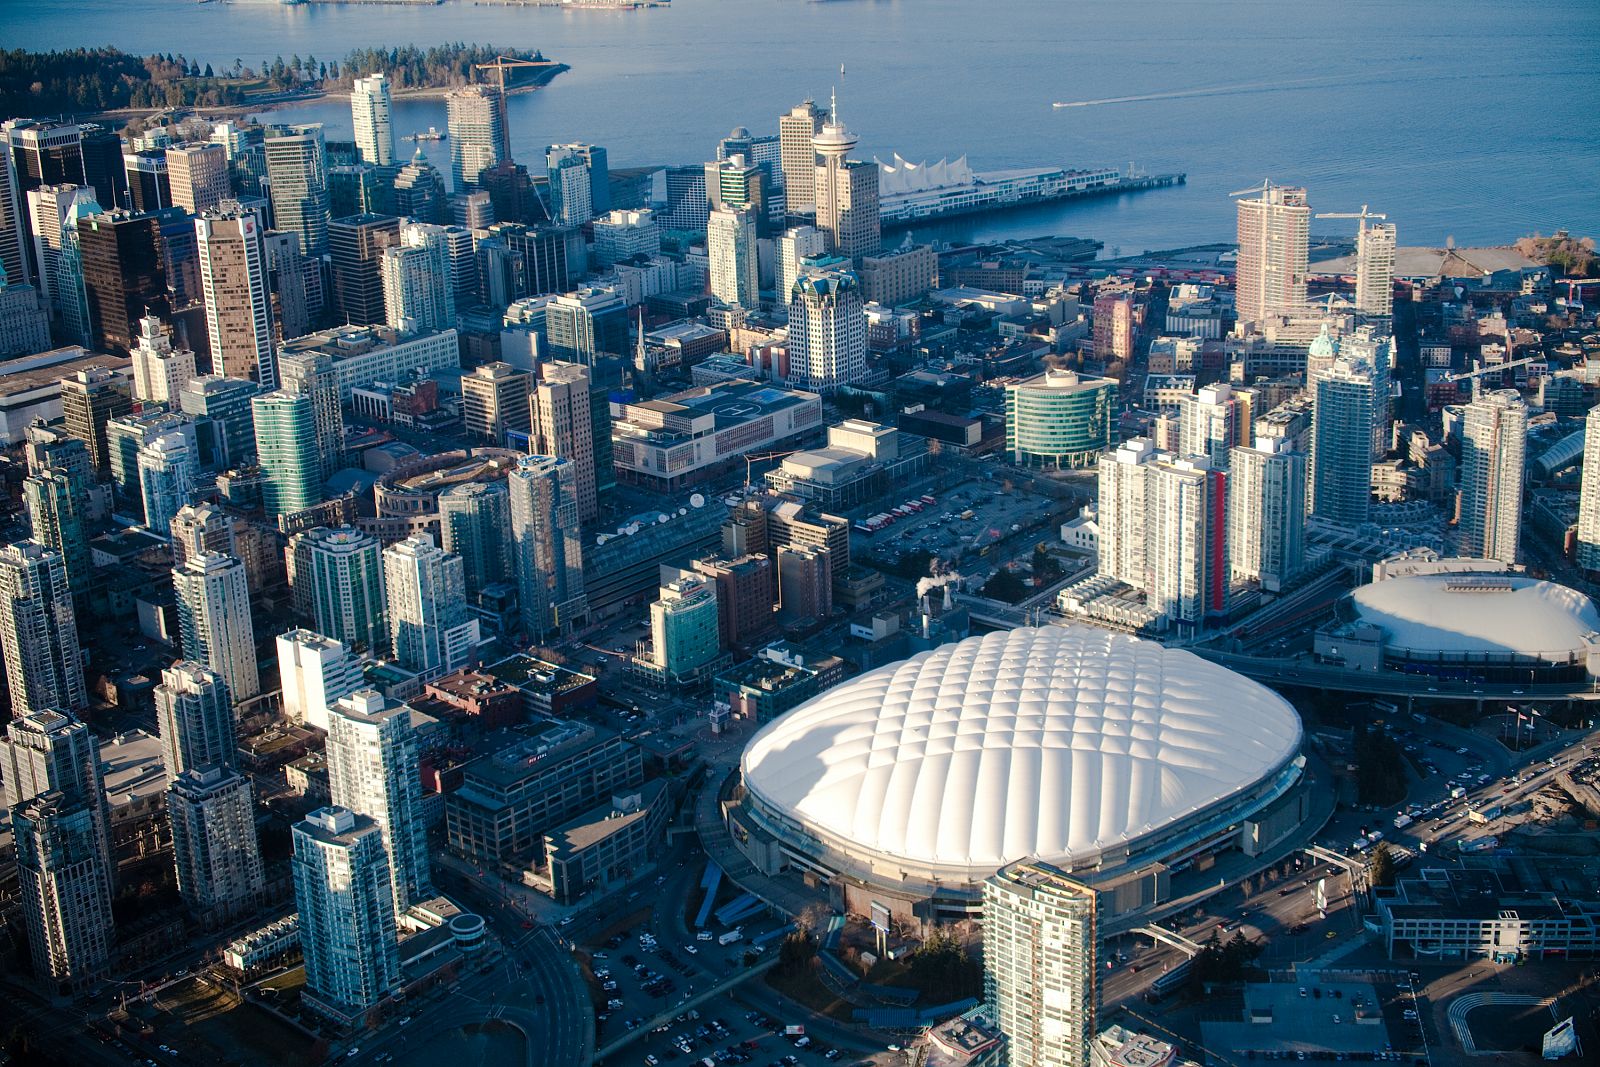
(148, 187)
(419, 192)
(180, 257)
(101, 150)
(511, 191)
(124, 276)
(356, 244)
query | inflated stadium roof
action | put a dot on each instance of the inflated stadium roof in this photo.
(1056, 743)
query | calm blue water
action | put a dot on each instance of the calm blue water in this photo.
(1469, 118)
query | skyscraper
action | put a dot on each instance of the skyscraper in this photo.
(1588, 546)
(476, 120)
(418, 288)
(39, 631)
(685, 634)
(194, 716)
(57, 507)
(1375, 245)
(345, 895)
(312, 374)
(227, 403)
(124, 275)
(582, 324)
(737, 184)
(297, 166)
(49, 209)
(846, 193)
(159, 370)
(1274, 228)
(316, 671)
(169, 472)
(1343, 400)
(197, 174)
(65, 888)
(90, 399)
(561, 426)
(793, 246)
(429, 275)
(1266, 513)
(372, 769)
(149, 188)
(126, 436)
(56, 795)
(1040, 953)
(369, 112)
(419, 191)
(595, 170)
(1123, 500)
(549, 543)
(731, 249)
(475, 524)
(286, 447)
(357, 245)
(1494, 444)
(1211, 422)
(1060, 419)
(238, 298)
(494, 399)
(198, 528)
(343, 566)
(827, 330)
(1186, 536)
(429, 630)
(214, 620)
(53, 751)
(797, 129)
(214, 844)
(570, 203)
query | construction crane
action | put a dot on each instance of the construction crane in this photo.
(1363, 215)
(751, 459)
(500, 65)
(1493, 368)
(1266, 184)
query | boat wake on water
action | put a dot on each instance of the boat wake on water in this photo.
(1216, 90)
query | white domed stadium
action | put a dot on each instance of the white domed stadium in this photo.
(1108, 756)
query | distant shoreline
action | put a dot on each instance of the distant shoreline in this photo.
(122, 116)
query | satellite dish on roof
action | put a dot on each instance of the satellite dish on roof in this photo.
(697, 501)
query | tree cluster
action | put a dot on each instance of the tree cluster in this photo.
(1573, 256)
(409, 67)
(797, 952)
(81, 80)
(944, 971)
(1219, 962)
(1380, 868)
(1005, 585)
(1380, 767)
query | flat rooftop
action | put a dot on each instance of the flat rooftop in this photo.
(46, 369)
(733, 403)
(1277, 1018)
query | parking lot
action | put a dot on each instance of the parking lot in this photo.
(963, 521)
(637, 977)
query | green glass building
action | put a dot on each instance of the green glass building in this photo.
(1059, 419)
(286, 448)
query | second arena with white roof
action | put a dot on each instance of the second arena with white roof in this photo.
(1111, 757)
